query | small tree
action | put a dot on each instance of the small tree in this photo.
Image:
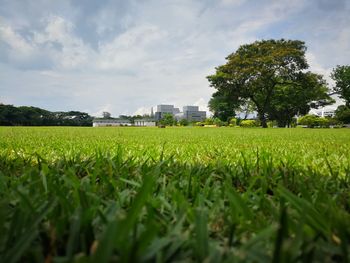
(341, 76)
(343, 114)
(183, 122)
(218, 122)
(233, 122)
(106, 115)
(167, 120)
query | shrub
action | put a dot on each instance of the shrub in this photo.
(199, 124)
(272, 124)
(248, 123)
(209, 121)
(183, 122)
(309, 120)
(312, 121)
(233, 122)
(322, 122)
(218, 122)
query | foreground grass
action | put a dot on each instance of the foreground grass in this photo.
(180, 194)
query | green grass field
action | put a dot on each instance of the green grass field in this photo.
(175, 194)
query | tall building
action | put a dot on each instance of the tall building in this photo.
(163, 109)
(190, 113)
(193, 114)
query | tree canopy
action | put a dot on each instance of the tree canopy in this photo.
(222, 105)
(33, 116)
(270, 74)
(341, 76)
(168, 120)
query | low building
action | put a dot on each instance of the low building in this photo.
(145, 122)
(247, 115)
(110, 122)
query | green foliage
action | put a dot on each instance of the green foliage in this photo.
(223, 105)
(199, 123)
(290, 99)
(233, 122)
(341, 76)
(271, 74)
(209, 121)
(248, 123)
(312, 121)
(218, 122)
(214, 121)
(308, 120)
(106, 115)
(174, 195)
(168, 120)
(343, 114)
(183, 122)
(32, 116)
(271, 124)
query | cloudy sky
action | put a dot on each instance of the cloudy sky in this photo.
(127, 56)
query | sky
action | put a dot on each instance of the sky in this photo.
(128, 56)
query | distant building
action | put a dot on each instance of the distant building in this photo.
(145, 122)
(328, 110)
(110, 122)
(191, 113)
(164, 109)
(247, 115)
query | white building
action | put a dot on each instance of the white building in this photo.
(110, 122)
(328, 110)
(145, 122)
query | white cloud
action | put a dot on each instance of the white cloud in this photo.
(202, 104)
(142, 111)
(130, 49)
(101, 109)
(71, 52)
(316, 67)
(232, 2)
(15, 41)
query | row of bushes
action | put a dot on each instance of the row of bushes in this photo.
(233, 122)
(310, 121)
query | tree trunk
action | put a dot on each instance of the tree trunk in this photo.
(262, 119)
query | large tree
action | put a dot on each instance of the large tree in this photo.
(341, 76)
(257, 71)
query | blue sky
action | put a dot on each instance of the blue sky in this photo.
(127, 56)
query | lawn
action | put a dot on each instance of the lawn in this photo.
(176, 194)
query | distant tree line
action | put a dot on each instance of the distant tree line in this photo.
(33, 116)
(132, 118)
(271, 78)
